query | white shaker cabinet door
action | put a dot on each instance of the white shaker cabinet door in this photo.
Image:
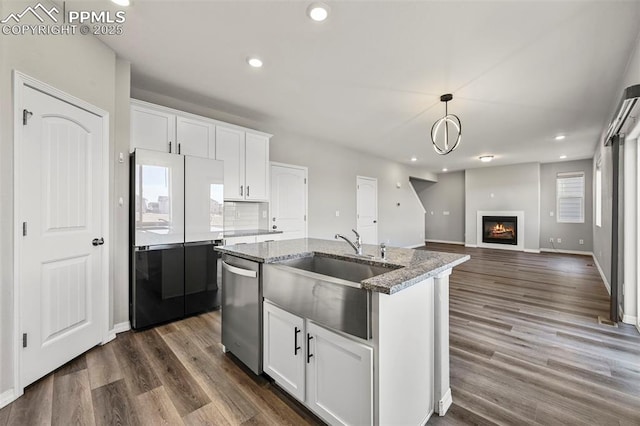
(257, 167)
(196, 137)
(152, 129)
(230, 149)
(339, 377)
(284, 349)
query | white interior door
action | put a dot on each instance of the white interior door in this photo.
(367, 209)
(289, 200)
(60, 193)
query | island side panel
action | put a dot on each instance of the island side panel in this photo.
(443, 399)
(403, 337)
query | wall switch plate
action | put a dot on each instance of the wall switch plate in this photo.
(337, 213)
(446, 213)
(121, 158)
(581, 241)
(121, 201)
(551, 214)
(431, 213)
(550, 240)
(559, 240)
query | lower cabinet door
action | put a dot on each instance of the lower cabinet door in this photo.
(284, 339)
(339, 377)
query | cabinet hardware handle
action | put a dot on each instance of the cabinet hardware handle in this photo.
(179, 147)
(241, 194)
(169, 147)
(309, 354)
(247, 190)
(296, 348)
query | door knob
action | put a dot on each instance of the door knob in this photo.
(97, 241)
(274, 227)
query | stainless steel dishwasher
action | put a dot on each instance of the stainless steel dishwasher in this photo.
(242, 310)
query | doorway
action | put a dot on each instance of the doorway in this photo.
(289, 200)
(61, 221)
(367, 209)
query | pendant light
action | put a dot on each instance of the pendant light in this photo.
(448, 144)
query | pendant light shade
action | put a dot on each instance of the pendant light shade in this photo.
(451, 130)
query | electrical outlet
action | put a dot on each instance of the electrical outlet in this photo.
(551, 214)
(446, 213)
(580, 241)
(337, 213)
(559, 240)
(551, 240)
(431, 213)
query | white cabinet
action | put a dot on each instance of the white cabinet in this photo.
(256, 167)
(230, 149)
(246, 164)
(330, 373)
(161, 129)
(284, 339)
(152, 129)
(195, 137)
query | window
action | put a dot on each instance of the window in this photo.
(598, 195)
(570, 197)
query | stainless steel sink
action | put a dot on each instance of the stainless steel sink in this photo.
(337, 268)
(325, 290)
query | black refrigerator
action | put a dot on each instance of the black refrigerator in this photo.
(176, 221)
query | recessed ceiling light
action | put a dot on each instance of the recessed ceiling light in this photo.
(318, 11)
(414, 159)
(486, 158)
(121, 2)
(254, 62)
(445, 169)
(562, 157)
(560, 137)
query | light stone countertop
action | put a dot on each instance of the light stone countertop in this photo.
(411, 266)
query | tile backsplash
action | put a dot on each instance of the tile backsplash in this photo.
(245, 215)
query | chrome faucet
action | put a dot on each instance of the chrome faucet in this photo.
(357, 245)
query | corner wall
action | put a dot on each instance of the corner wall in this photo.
(515, 187)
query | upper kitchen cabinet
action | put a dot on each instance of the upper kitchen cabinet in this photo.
(163, 129)
(246, 163)
(152, 128)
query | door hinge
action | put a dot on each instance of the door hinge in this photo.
(305, 217)
(24, 340)
(305, 181)
(26, 115)
(24, 229)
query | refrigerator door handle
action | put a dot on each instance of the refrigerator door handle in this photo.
(240, 271)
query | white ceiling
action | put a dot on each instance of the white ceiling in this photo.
(370, 77)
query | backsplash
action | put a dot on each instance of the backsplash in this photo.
(245, 215)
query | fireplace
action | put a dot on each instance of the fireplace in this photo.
(500, 229)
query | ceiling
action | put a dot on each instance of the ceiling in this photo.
(371, 75)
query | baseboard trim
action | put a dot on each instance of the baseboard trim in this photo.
(536, 251)
(628, 319)
(414, 246)
(471, 245)
(7, 397)
(458, 243)
(602, 275)
(561, 251)
(121, 327)
(445, 403)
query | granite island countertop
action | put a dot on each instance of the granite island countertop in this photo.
(406, 266)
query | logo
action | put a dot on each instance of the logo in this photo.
(34, 11)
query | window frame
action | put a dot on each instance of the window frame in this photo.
(568, 175)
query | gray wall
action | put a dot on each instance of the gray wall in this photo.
(570, 233)
(446, 195)
(80, 65)
(515, 187)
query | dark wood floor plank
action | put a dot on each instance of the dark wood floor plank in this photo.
(72, 403)
(103, 366)
(4, 415)
(34, 407)
(77, 364)
(207, 415)
(138, 374)
(155, 408)
(113, 405)
(184, 391)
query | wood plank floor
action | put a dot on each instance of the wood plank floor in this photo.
(526, 348)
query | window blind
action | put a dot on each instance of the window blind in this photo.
(570, 197)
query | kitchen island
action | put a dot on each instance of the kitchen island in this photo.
(376, 350)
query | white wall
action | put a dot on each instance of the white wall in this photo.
(515, 187)
(80, 65)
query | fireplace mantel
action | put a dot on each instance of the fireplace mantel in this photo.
(521, 227)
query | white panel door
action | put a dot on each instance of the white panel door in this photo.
(203, 199)
(289, 200)
(284, 349)
(159, 198)
(339, 378)
(61, 178)
(256, 167)
(196, 137)
(367, 209)
(152, 129)
(230, 149)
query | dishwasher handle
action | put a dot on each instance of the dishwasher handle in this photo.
(240, 271)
